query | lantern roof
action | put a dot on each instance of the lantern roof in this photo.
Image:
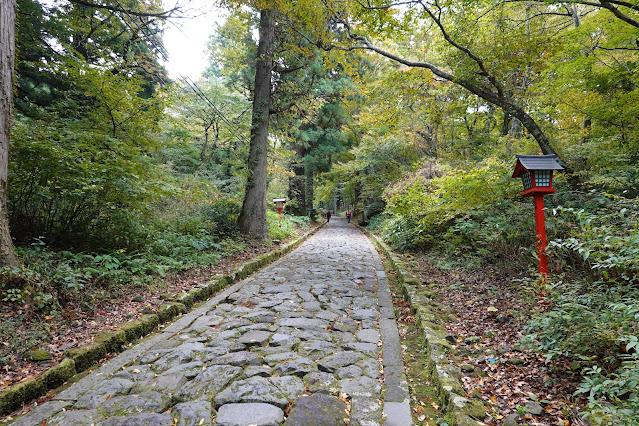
(535, 162)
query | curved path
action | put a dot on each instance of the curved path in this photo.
(310, 338)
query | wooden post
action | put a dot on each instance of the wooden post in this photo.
(542, 262)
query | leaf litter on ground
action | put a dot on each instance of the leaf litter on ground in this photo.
(490, 312)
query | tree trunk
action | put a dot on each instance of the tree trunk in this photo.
(515, 129)
(297, 183)
(252, 220)
(7, 58)
(505, 125)
(310, 189)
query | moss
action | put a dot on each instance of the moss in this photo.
(133, 330)
(202, 293)
(412, 281)
(56, 376)
(112, 339)
(39, 355)
(440, 330)
(149, 322)
(448, 385)
(186, 299)
(475, 409)
(169, 311)
(87, 355)
(14, 396)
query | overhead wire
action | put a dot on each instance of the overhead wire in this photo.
(158, 45)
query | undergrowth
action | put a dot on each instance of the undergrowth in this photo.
(593, 249)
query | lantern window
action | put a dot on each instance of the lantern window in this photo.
(527, 181)
(542, 177)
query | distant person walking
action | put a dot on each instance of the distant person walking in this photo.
(348, 216)
(328, 216)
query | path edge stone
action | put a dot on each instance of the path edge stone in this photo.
(77, 360)
(443, 372)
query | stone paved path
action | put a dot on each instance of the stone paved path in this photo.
(301, 341)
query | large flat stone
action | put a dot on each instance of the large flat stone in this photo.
(318, 382)
(192, 413)
(253, 413)
(365, 411)
(304, 323)
(397, 414)
(75, 418)
(255, 338)
(317, 410)
(364, 314)
(331, 363)
(253, 389)
(128, 405)
(360, 386)
(368, 335)
(208, 383)
(238, 359)
(295, 367)
(103, 391)
(143, 419)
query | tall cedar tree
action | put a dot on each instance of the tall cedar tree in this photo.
(252, 219)
(7, 55)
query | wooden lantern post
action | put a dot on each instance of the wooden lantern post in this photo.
(279, 206)
(536, 173)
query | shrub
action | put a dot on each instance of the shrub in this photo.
(277, 232)
(223, 213)
(613, 396)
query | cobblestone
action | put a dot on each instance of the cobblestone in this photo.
(301, 336)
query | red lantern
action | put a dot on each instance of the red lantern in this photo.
(536, 174)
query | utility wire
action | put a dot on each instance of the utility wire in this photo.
(158, 45)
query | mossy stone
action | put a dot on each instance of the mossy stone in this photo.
(57, 375)
(186, 299)
(14, 396)
(135, 329)
(436, 329)
(112, 339)
(412, 281)
(169, 311)
(467, 368)
(38, 355)
(151, 321)
(448, 385)
(87, 355)
(475, 409)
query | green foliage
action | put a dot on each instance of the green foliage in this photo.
(86, 180)
(595, 324)
(426, 206)
(587, 323)
(287, 228)
(606, 240)
(615, 396)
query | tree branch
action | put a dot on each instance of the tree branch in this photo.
(165, 14)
